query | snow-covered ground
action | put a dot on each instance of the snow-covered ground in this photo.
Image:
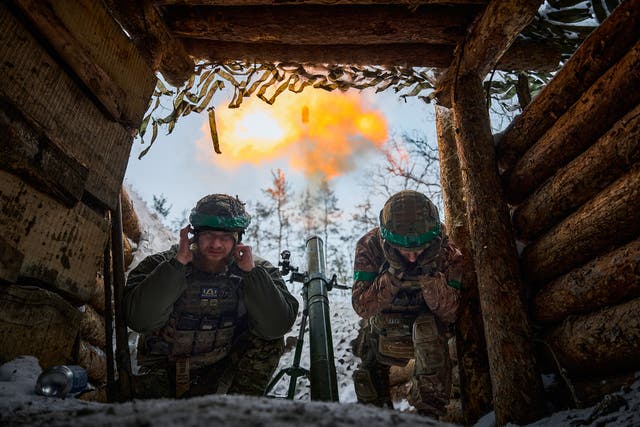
(21, 406)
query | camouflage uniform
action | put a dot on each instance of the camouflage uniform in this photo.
(406, 309)
(202, 332)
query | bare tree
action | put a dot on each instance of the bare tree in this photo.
(411, 163)
(280, 195)
(364, 218)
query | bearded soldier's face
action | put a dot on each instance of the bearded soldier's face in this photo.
(215, 246)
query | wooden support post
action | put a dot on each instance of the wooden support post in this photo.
(108, 324)
(610, 219)
(604, 281)
(473, 364)
(517, 385)
(122, 336)
(489, 38)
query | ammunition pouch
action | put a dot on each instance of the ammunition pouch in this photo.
(393, 330)
(364, 387)
(432, 351)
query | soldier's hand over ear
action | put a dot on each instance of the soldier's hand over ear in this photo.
(244, 257)
(184, 255)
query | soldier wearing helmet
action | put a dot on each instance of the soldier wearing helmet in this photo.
(212, 315)
(407, 281)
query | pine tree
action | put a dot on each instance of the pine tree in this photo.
(160, 205)
(257, 233)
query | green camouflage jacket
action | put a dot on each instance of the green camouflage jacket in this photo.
(155, 284)
(375, 288)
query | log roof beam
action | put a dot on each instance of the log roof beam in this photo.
(524, 55)
(489, 38)
(317, 25)
(406, 3)
(163, 51)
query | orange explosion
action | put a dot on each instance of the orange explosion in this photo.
(321, 132)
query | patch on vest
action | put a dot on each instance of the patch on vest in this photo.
(209, 293)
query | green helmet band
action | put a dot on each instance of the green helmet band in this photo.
(409, 241)
(224, 222)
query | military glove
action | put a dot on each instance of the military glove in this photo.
(441, 298)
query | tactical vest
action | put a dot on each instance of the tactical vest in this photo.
(203, 324)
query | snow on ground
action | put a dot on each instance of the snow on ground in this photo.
(21, 406)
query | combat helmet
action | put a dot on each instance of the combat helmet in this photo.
(220, 212)
(409, 220)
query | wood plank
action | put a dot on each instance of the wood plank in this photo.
(98, 51)
(600, 51)
(517, 387)
(607, 280)
(148, 31)
(613, 95)
(605, 342)
(523, 55)
(37, 322)
(610, 219)
(473, 362)
(46, 95)
(589, 173)
(62, 247)
(26, 150)
(488, 40)
(322, 25)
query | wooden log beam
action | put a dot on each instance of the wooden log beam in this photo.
(517, 387)
(601, 50)
(94, 361)
(473, 363)
(42, 15)
(524, 55)
(407, 3)
(37, 322)
(27, 150)
(490, 37)
(92, 328)
(589, 173)
(607, 280)
(130, 222)
(604, 342)
(147, 28)
(610, 219)
(318, 25)
(597, 110)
